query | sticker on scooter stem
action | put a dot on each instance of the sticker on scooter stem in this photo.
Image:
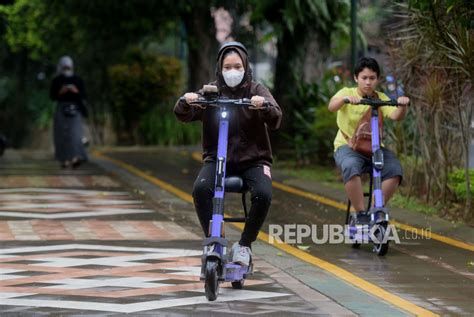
(266, 171)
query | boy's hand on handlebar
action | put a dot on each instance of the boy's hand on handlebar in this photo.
(352, 100)
(404, 101)
(257, 102)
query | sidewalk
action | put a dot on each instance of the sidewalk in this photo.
(92, 242)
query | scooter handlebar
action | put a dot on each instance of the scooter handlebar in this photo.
(376, 102)
(244, 102)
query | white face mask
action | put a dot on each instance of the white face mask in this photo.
(233, 77)
(67, 72)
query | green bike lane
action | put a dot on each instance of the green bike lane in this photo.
(433, 275)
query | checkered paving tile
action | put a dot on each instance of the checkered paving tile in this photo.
(53, 203)
(92, 230)
(109, 278)
(61, 181)
(73, 244)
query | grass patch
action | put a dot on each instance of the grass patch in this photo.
(412, 204)
(326, 175)
(329, 176)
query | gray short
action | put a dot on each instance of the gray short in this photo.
(353, 163)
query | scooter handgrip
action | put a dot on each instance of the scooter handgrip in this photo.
(199, 99)
(266, 104)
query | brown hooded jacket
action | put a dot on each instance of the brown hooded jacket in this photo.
(248, 140)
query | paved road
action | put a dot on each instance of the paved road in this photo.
(428, 273)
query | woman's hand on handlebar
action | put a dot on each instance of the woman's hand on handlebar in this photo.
(192, 97)
(257, 102)
(403, 101)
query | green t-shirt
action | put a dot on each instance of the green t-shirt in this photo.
(349, 115)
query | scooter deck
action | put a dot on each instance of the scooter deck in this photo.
(237, 272)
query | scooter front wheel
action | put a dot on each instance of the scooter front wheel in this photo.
(351, 224)
(356, 245)
(381, 246)
(211, 281)
(238, 284)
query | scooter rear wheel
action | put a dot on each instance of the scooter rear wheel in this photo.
(382, 247)
(211, 282)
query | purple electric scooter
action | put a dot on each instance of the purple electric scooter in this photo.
(216, 266)
(376, 230)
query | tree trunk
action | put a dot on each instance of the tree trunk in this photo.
(17, 126)
(202, 47)
(285, 81)
(297, 63)
(313, 68)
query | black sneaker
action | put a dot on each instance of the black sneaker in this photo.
(76, 161)
(363, 218)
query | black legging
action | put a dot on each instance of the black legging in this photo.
(260, 186)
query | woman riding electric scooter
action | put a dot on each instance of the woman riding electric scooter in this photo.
(249, 152)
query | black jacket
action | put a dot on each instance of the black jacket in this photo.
(78, 99)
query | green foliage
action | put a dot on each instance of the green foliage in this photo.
(325, 129)
(432, 53)
(41, 108)
(28, 25)
(397, 134)
(7, 93)
(315, 126)
(43, 27)
(301, 139)
(460, 9)
(331, 177)
(457, 182)
(306, 31)
(6, 89)
(412, 204)
(328, 176)
(316, 14)
(34, 33)
(160, 126)
(138, 85)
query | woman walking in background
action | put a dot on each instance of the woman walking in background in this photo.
(67, 89)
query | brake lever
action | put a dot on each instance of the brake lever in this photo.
(198, 105)
(195, 103)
